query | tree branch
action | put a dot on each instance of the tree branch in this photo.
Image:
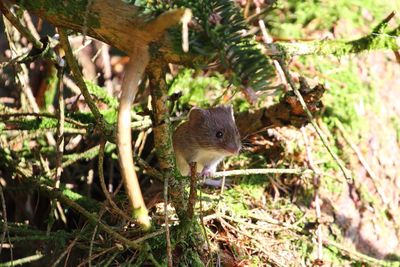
(106, 129)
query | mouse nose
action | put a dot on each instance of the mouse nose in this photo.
(233, 148)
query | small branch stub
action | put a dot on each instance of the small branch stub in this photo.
(187, 16)
(192, 192)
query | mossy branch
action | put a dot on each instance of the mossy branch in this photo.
(139, 58)
(163, 136)
(379, 38)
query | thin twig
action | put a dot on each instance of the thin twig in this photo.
(141, 148)
(21, 28)
(59, 141)
(92, 240)
(311, 119)
(60, 126)
(192, 191)
(77, 75)
(316, 183)
(85, 20)
(267, 40)
(65, 252)
(275, 222)
(203, 226)
(149, 170)
(30, 26)
(319, 229)
(102, 252)
(5, 224)
(263, 171)
(167, 234)
(375, 179)
(104, 186)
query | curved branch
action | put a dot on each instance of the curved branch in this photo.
(139, 59)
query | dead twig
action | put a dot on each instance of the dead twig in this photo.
(92, 239)
(18, 25)
(363, 161)
(65, 252)
(29, 24)
(104, 186)
(203, 225)
(316, 182)
(5, 224)
(78, 78)
(267, 40)
(59, 141)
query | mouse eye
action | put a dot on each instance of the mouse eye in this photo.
(219, 134)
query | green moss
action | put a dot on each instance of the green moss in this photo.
(101, 94)
(323, 14)
(253, 186)
(37, 124)
(347, 96)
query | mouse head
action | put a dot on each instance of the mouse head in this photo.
(215, 129)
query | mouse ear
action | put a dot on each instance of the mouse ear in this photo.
(229, 109)
(196, 114)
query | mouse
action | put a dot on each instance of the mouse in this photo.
(207, 137)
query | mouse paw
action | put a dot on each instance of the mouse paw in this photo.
(217, 183)
(206, 173)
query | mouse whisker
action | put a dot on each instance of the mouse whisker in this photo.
(247, 145)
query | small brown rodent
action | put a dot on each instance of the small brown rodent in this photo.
(206, 138)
